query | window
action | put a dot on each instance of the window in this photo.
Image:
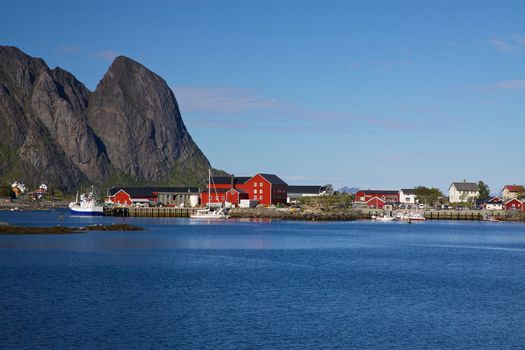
(261, 184)
(222, 197)
(261, 197)
(255, 184)
(260, 191)
(255, 191)
(255, 197)
(216, 198)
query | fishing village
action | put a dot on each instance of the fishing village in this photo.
(267, 196)
(247, 175)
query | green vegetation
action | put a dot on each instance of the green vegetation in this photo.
(484, 190)
(10, 165)
(428, 196)
(337, 201)
(118, 178)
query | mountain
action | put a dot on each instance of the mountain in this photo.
(128, 131)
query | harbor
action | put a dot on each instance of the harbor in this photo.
(314, 215)
(167, 212)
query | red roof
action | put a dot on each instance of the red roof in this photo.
(373, 198)
(514, 188)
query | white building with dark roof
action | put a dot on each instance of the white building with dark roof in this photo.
(463, 192)
(296, 192)
(407, 196)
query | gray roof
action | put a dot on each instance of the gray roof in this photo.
(152, 191)
(465, 186)
(305, 189)
(383, 192)
(408, 191)
(273, 179)
(226, 180)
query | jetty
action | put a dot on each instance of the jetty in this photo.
(170, 212)
(471, 215)
(345, 214)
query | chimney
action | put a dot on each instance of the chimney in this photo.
(232, 182)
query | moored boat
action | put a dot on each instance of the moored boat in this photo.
(208, 213)
(490, 218)
(87, 204)
(384, 218)
(411, 216)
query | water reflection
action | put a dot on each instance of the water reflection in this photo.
(258, 234)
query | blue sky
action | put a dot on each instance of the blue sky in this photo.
(372, 94)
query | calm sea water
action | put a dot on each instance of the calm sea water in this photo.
(271, 285)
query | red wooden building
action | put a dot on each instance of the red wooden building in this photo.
(223, 195)
(126, 196)
(387, 196)
(375, 202)
(513, 204)
(267, 189)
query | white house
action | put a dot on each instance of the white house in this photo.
(462, 192)
(512, 191)
(296, 192)
(493, 203)
(407, 196)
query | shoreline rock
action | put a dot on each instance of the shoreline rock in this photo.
(8, 229)
(293, 214)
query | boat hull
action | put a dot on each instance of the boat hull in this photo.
(209, 217)
(93, 211)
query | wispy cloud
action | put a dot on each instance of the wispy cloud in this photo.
(219, 124)
(108, 55)
(66, 49)
(199, 99)
(236, 108)
(509, 43)
(514, 84)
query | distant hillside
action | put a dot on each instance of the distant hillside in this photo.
(128, 131)
(349, 190)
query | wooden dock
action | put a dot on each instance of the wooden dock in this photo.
(452, 214)
(165, 212)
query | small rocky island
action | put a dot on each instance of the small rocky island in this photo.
(7, 229)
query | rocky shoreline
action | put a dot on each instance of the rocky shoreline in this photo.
(7, 229)
(294, 214)
(29, 204)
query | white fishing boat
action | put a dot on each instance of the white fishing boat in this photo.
(208, 212)
(384, 218)
(87, 204)
(490, 218)
(410, 216)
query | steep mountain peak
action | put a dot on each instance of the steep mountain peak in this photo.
(53, 129)
(140, 106)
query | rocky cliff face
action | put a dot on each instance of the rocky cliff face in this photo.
(146, 138)
(54, 130)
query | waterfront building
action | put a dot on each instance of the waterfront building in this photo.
(230, 196)
(463, 192)
(493, 203)
(512, 191)
(267, 189)
(296, 192)
(177, 196)
(375, 203)
(407, 196)
(513, 204)
(388, 196)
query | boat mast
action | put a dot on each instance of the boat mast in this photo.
(209, 187)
